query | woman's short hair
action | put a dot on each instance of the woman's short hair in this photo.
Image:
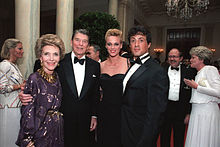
(203, 53)
(113, 32)
(52, 40)
(10, 43)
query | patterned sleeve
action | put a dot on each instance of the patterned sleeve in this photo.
(30, 120)
(5, 72)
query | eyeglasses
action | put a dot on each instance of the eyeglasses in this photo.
(173, 56)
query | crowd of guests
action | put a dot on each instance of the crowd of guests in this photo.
(125, 101)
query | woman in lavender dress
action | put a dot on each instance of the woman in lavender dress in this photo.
(41, 123)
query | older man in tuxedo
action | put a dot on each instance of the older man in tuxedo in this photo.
(178, 108)
(145, 89)
(78, 76)
(79, 80)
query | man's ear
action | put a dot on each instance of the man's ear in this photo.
(71, 43)
(149, 45)
(98, 52)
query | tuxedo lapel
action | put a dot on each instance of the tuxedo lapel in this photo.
(138, 73)
(182, 75)
(87, 80)
(70, 78)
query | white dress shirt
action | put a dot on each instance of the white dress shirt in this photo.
(79, 72)
(174, 77)
(133, 69)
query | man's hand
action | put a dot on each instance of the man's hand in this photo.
(186, 120)
(25, 98)
(93, 124)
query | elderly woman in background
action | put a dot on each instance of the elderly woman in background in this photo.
(41, 123)
(112, 74)
(204, 124)
(11, 81)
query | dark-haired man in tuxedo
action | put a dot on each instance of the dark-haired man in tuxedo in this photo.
(145, 88)
(178, 108)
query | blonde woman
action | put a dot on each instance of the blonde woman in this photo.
(11, 81)
(204, 123)
(112, 73)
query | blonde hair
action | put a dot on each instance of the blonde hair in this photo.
(49, 39)
(203, 53)
(10, 43)
(113, 32)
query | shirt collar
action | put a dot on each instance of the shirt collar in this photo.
(143, 55)
(73, 55)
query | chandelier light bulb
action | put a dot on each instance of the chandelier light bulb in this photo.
(186, 9)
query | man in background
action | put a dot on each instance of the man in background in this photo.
(93, 52)
(178, 108)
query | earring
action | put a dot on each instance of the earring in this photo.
(41, 63)
(58, 64)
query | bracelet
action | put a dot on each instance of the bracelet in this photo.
(16, 87)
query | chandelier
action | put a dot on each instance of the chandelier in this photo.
(185, 9)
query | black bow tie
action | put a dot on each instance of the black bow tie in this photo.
(81, 61)
(175, 68)
(138, 60)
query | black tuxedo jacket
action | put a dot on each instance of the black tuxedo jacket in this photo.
(78, 110)
(182, 107)
(144, 101)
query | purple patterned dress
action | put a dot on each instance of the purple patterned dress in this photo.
(41, 122)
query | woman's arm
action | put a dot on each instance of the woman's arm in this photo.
(211, 84)
(9, 81)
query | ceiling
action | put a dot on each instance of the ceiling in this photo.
(158, 6)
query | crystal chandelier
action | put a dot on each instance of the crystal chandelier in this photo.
(185, 9)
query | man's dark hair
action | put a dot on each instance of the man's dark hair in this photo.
(139, 30)
(124, 47)
(82, 31)
(180, 53)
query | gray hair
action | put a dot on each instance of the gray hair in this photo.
(96, 47)
(82, 31)
(203, 53)
(10, 43)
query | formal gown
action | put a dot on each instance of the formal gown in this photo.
(9, 103)
(109, 118)
(204, 123)
(41, 122)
